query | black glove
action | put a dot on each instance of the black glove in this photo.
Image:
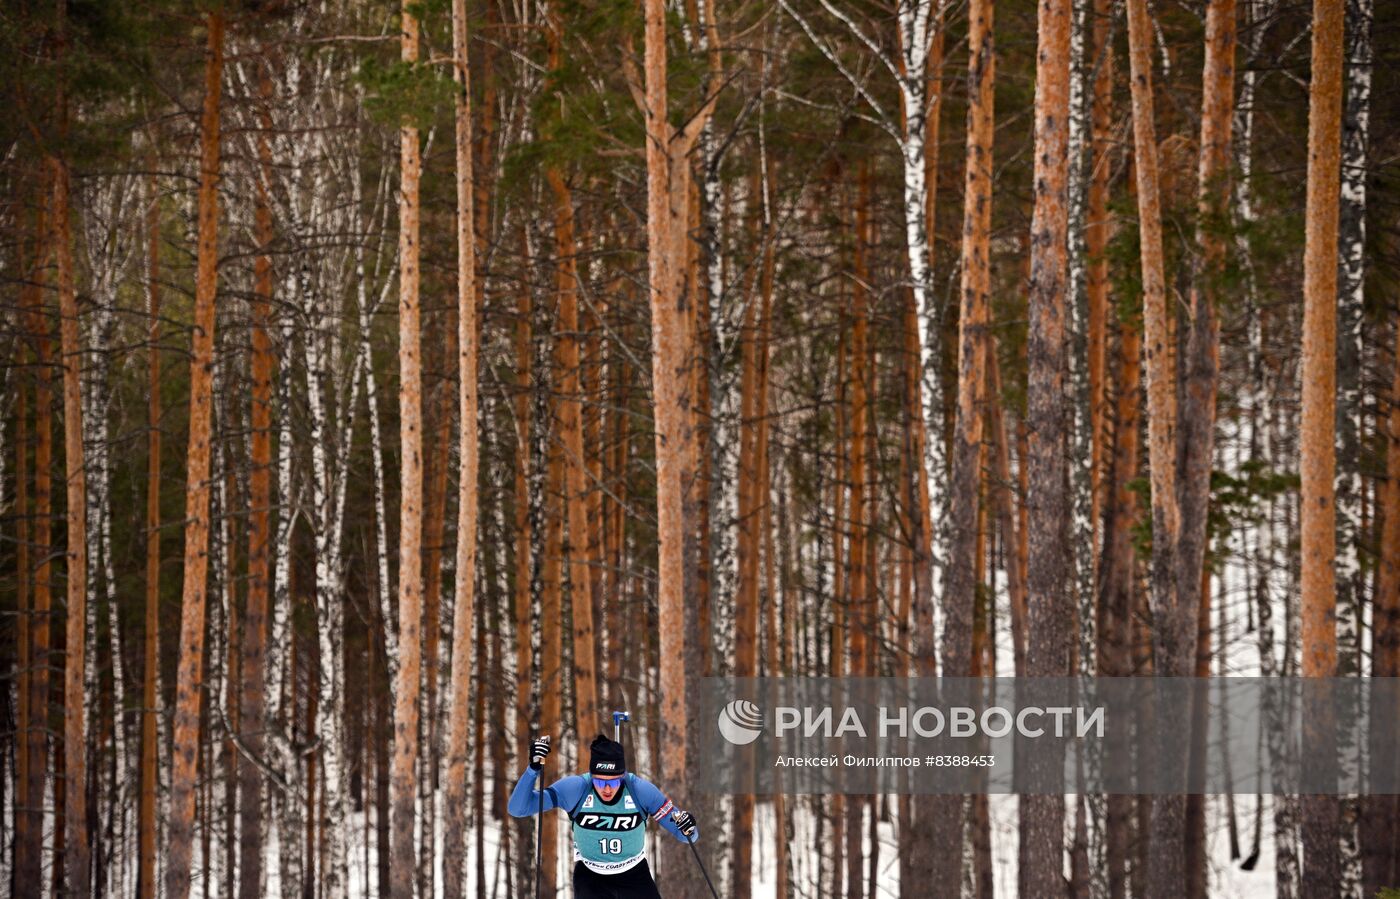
(685, 823)
(539, 750)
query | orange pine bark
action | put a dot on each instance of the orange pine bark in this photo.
(455, 806)
(1049, 623)
(24, 822)
(1317, 465)
(30, 829)
(1097, 229)
(566, 357)
(77, 856)
(402, 779)
(191, 664)
(859, 620)
(747, 554)
(973, 320)
(523, 570)
(1387, 618)
(668, 176)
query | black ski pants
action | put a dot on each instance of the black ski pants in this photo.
(634, 883)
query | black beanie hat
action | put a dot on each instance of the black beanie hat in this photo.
(606, 758)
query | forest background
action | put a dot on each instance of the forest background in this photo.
(803, 337)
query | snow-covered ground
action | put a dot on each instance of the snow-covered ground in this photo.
(1225, 877)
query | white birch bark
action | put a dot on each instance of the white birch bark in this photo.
(1351, 357)
(1081, 473)
(109, 242)
(330, 720)
(366, 326)
(223, 694)
(281, 678)
(1350, 321)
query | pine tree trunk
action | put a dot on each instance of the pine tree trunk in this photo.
(748, 555)
(566, 350)
(1381, 820)
(406, 688)
(1117, 586)
(26, 820)
(858, 618)
(973, 317)
(1201, 379)
(1097, 229)
(30, 856)
(191, 665)
(454, 834)
(551, 657)
(523, 577)
(1173, 625)
(253, 708)
(438, 424)
(667, 195)
(1049, 605)
(1317, 526)
(76, 858)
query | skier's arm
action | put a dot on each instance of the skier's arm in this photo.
(563, 793)
(655, 803)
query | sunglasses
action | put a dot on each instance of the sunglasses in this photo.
(606, 783)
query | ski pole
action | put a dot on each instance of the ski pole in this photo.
(618, 718)
(539, 824)
(696, 852)
(539, 836)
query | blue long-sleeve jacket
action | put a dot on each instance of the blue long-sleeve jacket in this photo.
(568, 792)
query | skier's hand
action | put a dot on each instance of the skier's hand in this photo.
(685, 823)
(539, 751)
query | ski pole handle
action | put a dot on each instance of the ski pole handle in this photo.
(539, 751)
(618, 719)
(685, 823)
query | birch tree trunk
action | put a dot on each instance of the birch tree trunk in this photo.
(1351, 356)
(1351, 292)
(191, 665)
(330, 612)
(1317, 466)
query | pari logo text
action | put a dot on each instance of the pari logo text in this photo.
(741, 722)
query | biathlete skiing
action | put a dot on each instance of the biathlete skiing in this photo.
(608, 807)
